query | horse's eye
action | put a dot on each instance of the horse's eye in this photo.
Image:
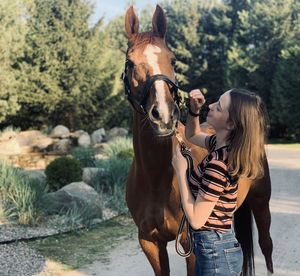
(173, 62)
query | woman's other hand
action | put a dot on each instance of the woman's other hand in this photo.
(197, 100)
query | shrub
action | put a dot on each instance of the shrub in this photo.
(112, 179)
(63, 171)
(86, 156)
(20, 195)
(119, 147)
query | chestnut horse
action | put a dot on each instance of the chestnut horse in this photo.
(152, 193)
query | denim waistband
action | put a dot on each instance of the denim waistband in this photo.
(213, 234)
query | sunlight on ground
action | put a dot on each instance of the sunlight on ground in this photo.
(53, 268)
(284, 206)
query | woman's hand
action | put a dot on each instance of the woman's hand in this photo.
(197, 100)
(179, 162)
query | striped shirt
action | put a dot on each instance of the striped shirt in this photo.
(212, 181)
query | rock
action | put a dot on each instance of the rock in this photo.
(77, 196)
(84, 140)
(32, 140)
(90, 173)
(62, 146)
(116, 132)
(98, 136)
(76, 134)
(37, 175)
(7, 135)
(10, 147)
(59, 132)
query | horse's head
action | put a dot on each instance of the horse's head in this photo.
(149, 73)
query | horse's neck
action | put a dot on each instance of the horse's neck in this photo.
(150, 152)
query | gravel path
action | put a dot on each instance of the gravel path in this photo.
(17, 259)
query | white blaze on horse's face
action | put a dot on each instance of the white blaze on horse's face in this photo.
(151, 52)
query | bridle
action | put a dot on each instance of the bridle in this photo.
(139, 103)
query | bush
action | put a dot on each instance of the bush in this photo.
(119, 147)
(112, 179)
(86, 156)
(63, 171)
(20, 195)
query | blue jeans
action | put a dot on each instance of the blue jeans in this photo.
(217, 254)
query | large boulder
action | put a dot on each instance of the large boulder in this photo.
(84, 140)
(34, 140)
(89, 174)
(98, 136)
(62, 146)
(10, 147)
(60, 131)
(75, 196)
(116, 132)
(36, 175)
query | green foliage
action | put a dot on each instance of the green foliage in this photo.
(67, 70)
(85, 155)
(119, 147)
(56, 69)
(285, 94)
(20, 195)
(198, 36)
(12, 36)
(112, 178)
(63, 171)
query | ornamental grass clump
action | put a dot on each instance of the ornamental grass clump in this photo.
(63, 171)
(19, 196)
(85, 155)
(112, 178)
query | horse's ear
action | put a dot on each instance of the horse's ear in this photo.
(131, 23)
(159, 23)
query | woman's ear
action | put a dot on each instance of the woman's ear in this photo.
(230, 125)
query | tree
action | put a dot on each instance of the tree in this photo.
(260, 30)
(12, 34)
(285, 96)
(63, 68)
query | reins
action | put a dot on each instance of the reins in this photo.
(185, 151)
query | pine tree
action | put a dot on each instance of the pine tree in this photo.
(260, 30)
(285, 96)
(62, 68)
(12, 34)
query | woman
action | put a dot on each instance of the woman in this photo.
(209, 196)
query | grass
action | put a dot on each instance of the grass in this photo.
(19, 196)
(78, 249)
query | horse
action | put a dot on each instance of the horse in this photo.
(152, 194)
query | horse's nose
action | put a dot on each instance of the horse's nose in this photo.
(165, 116)
(154, 112)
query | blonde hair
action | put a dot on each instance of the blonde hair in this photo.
(248, 114)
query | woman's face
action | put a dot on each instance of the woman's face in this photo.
(218, 114)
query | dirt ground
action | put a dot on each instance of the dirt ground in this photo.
(128, 259)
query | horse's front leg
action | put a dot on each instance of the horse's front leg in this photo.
(191, 260)
(156, 252)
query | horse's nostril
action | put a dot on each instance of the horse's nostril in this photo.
(155, 113)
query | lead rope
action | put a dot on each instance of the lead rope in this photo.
(185, 151)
